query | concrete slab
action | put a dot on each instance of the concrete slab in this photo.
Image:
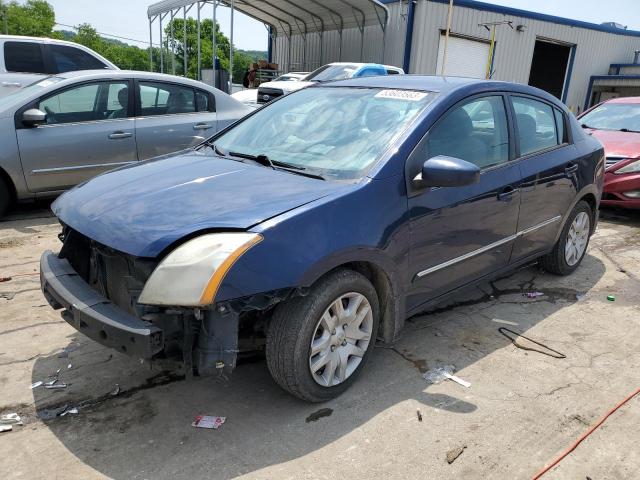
(521, 410)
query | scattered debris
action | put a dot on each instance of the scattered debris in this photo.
(69, 367)
(6, 428)
(36, 384)
(56, 386)
(5, 279)
(48, 414)
(10, 419)
(72, 411)
(611, 298)
(438, 374)
(419, 413)
(506, 322)
(317, 415)
(8, 296)
(581, 296)
(514, 341)
(208, 421)
(533, 294)
(455, 453)
(115, 391)
(51, 382)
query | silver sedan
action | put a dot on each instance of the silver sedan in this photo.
(67, 128)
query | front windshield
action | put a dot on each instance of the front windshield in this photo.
(337, 133)
(22, 94)
(614, 116)
(331, 72)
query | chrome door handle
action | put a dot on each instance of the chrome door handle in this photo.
(507, 192)
(202, 126)
(117, 135)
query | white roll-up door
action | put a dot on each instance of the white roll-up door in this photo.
(465, 57)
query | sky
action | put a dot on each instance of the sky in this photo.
(128, 18)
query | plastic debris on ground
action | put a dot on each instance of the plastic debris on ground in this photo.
(581, 296)
(6, 428)
(438, 374)
(5, 279)
(419, 413)
(10, 419)
(506, 322)
(208, 421)
(37, 384)
(115, 391)
(56, 386)
(533, 294)
(73, 411)
(48, 414)
(611, 298)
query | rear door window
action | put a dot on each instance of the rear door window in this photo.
(24, 57)
(166, 99)
(536, 122)
(68, 59)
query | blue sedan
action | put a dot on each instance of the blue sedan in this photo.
(315, 226)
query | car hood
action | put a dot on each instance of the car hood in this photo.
(286, 86)
(618, 144)
(143, 209)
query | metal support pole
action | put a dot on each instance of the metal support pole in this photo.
(199, 74)
(150, 45)
(214, 42)
(492, 47)
(161, 46)
(173, 45)
(446, 39)
(184, 40)
(231, 50)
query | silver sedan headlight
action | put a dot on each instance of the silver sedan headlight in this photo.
(191, 274)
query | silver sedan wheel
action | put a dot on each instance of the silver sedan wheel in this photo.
(577, 239)
(341, 339)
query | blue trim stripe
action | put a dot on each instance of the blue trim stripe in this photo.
(605, 77)
(488, 7)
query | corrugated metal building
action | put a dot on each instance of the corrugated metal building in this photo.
(569, 58)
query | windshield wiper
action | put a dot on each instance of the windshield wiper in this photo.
(629, 130)
(584, 125)
(277, 165)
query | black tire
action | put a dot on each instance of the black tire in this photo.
(555, 262)
(294, 323)
(5, 197)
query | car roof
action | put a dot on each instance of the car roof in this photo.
(624, 100)
(108, 74)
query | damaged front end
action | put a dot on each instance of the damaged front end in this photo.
(99, 290)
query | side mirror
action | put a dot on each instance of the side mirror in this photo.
(443, 171)
(34, 117)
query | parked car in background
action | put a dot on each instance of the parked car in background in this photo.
(66, 128)
(616, 123)
(22, 57)
(291, 76)
(248, 97)
(317, 224)
(333, 71)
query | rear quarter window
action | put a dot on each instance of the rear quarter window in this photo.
(24, 57)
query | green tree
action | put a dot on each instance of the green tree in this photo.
(35, 18)
(176, 43)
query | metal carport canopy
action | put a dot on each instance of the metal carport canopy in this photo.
(299, 16)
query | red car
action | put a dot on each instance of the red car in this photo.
(616, 123)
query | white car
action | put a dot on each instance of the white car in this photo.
(26, 60)
(250, 96)
(291, 76)
(332, 71)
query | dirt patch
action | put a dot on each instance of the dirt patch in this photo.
(12, 242)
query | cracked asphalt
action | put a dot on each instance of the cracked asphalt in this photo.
(523, 407)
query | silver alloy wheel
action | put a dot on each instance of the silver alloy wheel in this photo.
(340, 339)
(577, 239)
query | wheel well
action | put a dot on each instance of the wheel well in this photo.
(590, 198)
(388, 309)
(4, 177)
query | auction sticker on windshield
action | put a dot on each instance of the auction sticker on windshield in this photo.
(401, 95)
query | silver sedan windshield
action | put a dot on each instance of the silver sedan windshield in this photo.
(337, 132)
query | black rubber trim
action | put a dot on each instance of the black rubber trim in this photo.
(94, 315)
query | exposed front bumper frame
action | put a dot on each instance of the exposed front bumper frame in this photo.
(94, 315)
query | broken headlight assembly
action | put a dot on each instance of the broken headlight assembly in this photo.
(633, 167)
(192, 273)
